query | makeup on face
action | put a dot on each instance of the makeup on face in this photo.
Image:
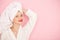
(21, 20)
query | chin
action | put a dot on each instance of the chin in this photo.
(19, 23)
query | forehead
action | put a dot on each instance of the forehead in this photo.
(18, 13)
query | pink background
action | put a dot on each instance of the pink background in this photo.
(48, 23)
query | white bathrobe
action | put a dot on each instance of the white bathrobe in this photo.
(23, 33)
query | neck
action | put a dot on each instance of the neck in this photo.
(15, 26)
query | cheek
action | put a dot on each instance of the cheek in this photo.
(18, 20)
(15, 20)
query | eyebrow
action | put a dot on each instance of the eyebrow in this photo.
(18, 10)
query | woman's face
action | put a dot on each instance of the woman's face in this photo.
(18, 19)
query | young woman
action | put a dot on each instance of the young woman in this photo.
(11, 21)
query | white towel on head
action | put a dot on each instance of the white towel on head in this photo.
(6, 19)
(9, 13)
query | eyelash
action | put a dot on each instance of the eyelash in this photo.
(16, 16)
(20, 15)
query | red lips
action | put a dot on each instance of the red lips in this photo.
(21, 20)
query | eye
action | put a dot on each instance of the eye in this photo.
(16, 15)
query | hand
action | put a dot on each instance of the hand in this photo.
(24, 10)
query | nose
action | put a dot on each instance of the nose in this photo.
(21, 15)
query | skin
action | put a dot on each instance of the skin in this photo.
(17, 23)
